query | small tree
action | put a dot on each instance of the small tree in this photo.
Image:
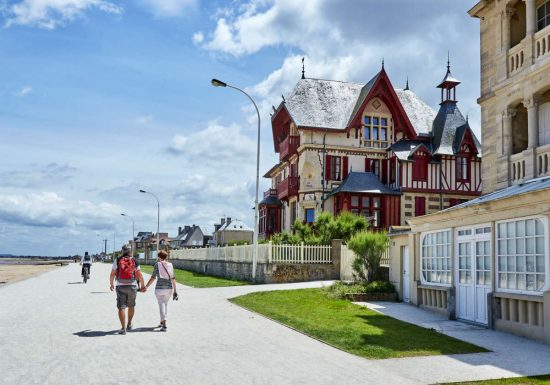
(368, 248)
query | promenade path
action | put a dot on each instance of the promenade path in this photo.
(56, 330)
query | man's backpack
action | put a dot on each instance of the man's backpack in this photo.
(87, 258)
(126, 270)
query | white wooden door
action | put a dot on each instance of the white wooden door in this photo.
(405, 281)
(473, 274)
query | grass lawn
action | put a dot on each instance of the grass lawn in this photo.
(534, 380)
(190, 278)
(350, 327)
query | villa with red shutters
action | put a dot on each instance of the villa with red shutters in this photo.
(371, 149)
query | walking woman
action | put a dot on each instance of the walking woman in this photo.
(166, 285)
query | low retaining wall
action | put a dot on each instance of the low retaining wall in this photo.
(267, 272)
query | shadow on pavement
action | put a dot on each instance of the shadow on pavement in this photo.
(141, 330)
(75, 283)
(95, 333)
(100, 292)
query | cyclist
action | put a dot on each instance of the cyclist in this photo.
(86, 261)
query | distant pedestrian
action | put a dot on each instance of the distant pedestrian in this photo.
(166, 285)
(127, 272)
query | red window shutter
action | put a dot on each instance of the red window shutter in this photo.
(344, 167)
(367, 164)
(419, 206)
(327, 167)
(384, 176)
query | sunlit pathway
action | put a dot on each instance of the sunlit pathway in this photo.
(55, 330)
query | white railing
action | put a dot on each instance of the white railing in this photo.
(300, 254)
(515, 58)
(267, 253)
(542, 43)
(517, 168)
(543, 160)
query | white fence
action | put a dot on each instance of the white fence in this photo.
(267, 253)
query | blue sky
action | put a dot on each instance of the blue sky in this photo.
(101, 98)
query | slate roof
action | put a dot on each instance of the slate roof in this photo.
(235, 225)
(322, 103)
(270, 200)
(363, 182)
(529, 186)
(332, 104)
(404, 148)
(448, 120)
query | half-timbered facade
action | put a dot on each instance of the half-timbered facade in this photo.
(368, 148)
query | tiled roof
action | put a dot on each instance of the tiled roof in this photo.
(403, 149)
(419, 113)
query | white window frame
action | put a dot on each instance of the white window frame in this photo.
(540, 292)
(472, 238)
(545, 4)
(450, 257)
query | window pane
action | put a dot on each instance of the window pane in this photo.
(511, 229)
(366, 202)
(530, 246)
(376, 202)
(502, 230)
(367, 119)
(520, 228)
(540, 264)
(530, 263)
(539, 227)
(540, 245)
(520, 263)
(367, 133)
(521, 281)
(382, 133)
(511, 263)
(502, 282)
(375, 121)
(375, 133)
(384, 121)
(540, 281)
(530, 227)
(355, 201)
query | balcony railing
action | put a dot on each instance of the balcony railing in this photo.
(288, 187)
(543, 159)
(289, 146)
(271, 191)
(516, 59)
(517, 168)
(542, 43)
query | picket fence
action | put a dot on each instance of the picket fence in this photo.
(267, 253)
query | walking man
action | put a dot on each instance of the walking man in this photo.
(127, 272)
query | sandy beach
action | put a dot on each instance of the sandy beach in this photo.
(14, 273)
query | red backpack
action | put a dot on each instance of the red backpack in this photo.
(126, 270)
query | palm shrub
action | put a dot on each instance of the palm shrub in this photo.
(323, 230)
(368, 247)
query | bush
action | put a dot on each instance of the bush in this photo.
(323, 230)
(340, 289)
(368, 248)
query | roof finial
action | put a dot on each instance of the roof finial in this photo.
(448, 61)
(382, 62)
(303, 69)
(466, 117)
(407, 85)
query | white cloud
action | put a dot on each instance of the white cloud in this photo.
(143, 120)
(24, 91)
(223, 144)
(48, 209)
(49, 14)
(168, 8)
(198, 38)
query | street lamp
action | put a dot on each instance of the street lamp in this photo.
(133, 231)
(158, 220)
(219, 83)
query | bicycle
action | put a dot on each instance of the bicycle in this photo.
(86, 274)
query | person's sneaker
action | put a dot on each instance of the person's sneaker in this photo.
(122, 331)
(129, 327)
(163, 328)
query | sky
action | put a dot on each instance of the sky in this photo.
(102, 98)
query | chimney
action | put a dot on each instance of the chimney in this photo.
(222, 221)
(179, 230)
(228, 220)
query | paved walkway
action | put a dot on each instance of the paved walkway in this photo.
(55, 330)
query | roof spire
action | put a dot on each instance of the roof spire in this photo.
(407, 85)
(382, 62)
(448, 61)
(303, 69)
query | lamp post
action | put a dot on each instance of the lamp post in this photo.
(133, 231)
(158, 220)
(219, 83)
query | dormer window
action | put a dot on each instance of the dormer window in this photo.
(376, 131)
(543, 16)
